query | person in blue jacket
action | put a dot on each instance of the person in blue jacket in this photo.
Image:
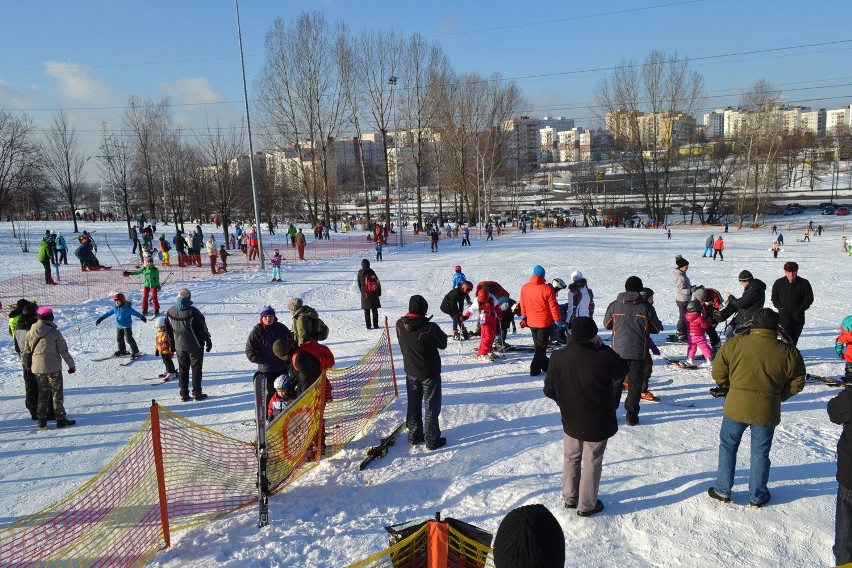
(123, 310)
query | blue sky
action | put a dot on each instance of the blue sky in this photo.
(88, 57)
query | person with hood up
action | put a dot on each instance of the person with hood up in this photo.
(489, 318)
(259, 348)
(632, 321)
(123, 312)
(539, 311)
(43, 352)
(755, 372)
(683, 292)
(370, 291)
(21, 319)
(187, 330)
(585, 380)
(753, 298)
(420, 341)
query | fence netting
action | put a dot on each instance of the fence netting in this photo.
(115, 518)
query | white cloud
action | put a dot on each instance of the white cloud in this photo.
(192, 90)
(79, 83)
(17, 98)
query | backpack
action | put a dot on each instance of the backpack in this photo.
(371, 284)
(165, 245)
(318, 331)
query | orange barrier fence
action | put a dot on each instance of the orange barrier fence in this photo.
(174, 474)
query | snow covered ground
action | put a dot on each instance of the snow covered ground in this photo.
(504, 446)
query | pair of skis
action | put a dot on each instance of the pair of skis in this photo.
(827, 381)
(259, 381)
(382, 449)
(130, 359)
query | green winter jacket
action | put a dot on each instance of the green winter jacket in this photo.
(761, 372)
(152, 275)
(44, 251)
(305, 324)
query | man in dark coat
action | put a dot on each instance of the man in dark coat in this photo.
(754, 296)
(840, 412)
(259, 348)
(197, 246)
(180, 246)
(632, 320)
(370, 302)
(585, 380)
(791, 296)
(187, 331)
(454, 306)
(755, 372)
(419, 340)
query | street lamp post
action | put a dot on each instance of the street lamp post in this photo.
(392, 81)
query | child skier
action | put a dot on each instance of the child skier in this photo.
(458, 276)
(165, 247)
(281, 398)
(489, 317)
(164, 349)
(275, 261)
(696, 329)
(123, 310)
(223, 258)
(212, 252)
(150, 286)
(841, 346)
(379, 250)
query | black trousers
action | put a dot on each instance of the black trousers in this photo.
(375, 319)
(190, 360)
(122, 334)
(635, 380)
(539, 362)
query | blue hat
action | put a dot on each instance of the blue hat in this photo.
(538, 270)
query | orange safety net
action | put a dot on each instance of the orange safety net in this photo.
(115, 518)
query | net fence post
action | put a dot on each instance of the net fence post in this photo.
(158, 466)
(390, 355)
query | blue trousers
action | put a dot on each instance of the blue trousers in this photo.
(730, 436)
(423, 426)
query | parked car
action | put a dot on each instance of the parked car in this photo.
(793, 210)
(842, 211)
(828, 210)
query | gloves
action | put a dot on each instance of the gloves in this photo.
(560, 325)
(716, 392)
(144, 319)
(125, 273)
(98, 321)
(208, 346)
(159, 287)
(72, 370)
(524, 323)
(156, 352)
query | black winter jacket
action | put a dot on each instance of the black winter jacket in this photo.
(368, 300)
(631, 320)
(791, 299)
(840, 412)
(754, 296)
(186, 327)
(259, 347)
(419, 340)
(454, 301)
(586, 382)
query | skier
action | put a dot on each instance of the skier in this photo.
(539, 311)
(151, 286)
(378, 251)
(489, 318)
(275, 261)
(283, 396)
(775, 248)
(370, 289)
(466, 237)
(453, 305)
(259, 347)
(164, 247)
(780, 239)
(123, 312)
(212, 252)
(45, 256)
(253, 244)
(458, 276)
(841, 346)
(583, 304)
(188, 332)
(708, 247)
(164, 349)
(696, 328)
(683, 291)
(61, 249)
(718, 247)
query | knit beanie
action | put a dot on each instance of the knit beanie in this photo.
(184, 293)
(576, 275)
(294, 304)
(282, 349)
(267, 311)
(680, 262)
(538, 270)
(633, 284)
(700, 294)
(529, 537)
(583, 328)
(418, 305)
(745, 276)
(45, 313)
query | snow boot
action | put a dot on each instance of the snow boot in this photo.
(42, 424)
(62, 423)
(647, 395)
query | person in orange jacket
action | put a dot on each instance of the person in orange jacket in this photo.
(539, 311)
(718, 247)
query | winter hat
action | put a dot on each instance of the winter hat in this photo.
(700, 294)
(282, 349)
(633, 284)
(294, 304)
(45, 313)
(680, 262)
(29, 309)
(184, 293)
(538, 270)
(365, 263)
(267, 311)
(529, 537)
(583, 328)
(160, 321)
(576, 275)
(418, 305)
(745, 276)
(646, 293)
(21, 303)
(765, 318)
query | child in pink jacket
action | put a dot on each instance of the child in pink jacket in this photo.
(696, 331)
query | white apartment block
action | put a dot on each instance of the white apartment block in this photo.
(838, 119)
(523, 148)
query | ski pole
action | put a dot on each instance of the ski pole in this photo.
(106, 242)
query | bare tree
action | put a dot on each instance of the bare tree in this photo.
(115, 164)
(19, 157)
(64, 161)
(644, 106)
(147, 121)
(221, 149)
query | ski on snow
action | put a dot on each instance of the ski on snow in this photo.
(382, 449)
(827, 381)
(132, 359)
(262, 456)
(108, 357)
(680, 363)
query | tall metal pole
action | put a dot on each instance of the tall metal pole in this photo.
(392, 80)
(251, 146)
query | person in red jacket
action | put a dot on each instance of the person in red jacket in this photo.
(539, 311)
(253, 244)
(489, 316)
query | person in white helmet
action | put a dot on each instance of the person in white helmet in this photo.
(583, 304)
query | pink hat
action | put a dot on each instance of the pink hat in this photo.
(44, 311)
